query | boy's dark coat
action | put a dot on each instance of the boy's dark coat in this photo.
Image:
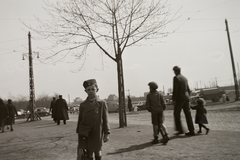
(95, 115)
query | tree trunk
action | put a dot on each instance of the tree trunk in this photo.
(122, 107)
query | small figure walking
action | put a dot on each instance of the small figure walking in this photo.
(53, 109)
(12, 112)
(201, 117)
(224, 98)
(130, 107)
(156, 105)
(227, 99)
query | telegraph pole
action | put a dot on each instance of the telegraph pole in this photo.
(238, 75)
(233, 64)
(32, 104)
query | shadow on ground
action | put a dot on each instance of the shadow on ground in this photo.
(134, 148)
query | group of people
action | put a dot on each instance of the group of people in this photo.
(93, 128)
(181, 101)
(59, 109)
(7, 115)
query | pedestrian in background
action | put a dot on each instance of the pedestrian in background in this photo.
(61, 110)
(156, 105)
(93, 114)
(227, 99)
(201, 113)
(130, 107)
(180, 100)
(223, 98)
(53, 109)
(12, 112)
(3, 114)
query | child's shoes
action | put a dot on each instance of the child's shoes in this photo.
(207, 130)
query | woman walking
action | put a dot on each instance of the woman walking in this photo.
(12, 112)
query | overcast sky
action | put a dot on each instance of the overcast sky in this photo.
(199, 46)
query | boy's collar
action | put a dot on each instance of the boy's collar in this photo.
(92, 99)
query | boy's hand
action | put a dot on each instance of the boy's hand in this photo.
(105, 138)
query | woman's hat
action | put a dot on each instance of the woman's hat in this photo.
(89, 82)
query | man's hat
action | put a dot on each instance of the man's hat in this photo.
(89, 82)
(176, 68)
(153, 85)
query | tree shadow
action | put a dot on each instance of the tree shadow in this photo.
(134, 148)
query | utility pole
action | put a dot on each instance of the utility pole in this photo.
(238, 75)
(32, 104)
(233, 64)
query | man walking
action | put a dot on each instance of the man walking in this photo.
(130, 107)
(61, 110)
(53, 109)
(180, 100)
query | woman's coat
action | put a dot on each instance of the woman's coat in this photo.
(12, 112)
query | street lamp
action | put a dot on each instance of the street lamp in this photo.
(32, 104)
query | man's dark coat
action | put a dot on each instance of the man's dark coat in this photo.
(61, 109)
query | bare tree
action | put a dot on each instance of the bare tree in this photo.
(112, 25)
(43, 100)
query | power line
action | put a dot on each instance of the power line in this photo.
(13, 51)
(209, 8)
(190, 17)
(12, 40)
(203, 19)
(201, 31)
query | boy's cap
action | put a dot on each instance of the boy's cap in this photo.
(153, 85)
(89, 82)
